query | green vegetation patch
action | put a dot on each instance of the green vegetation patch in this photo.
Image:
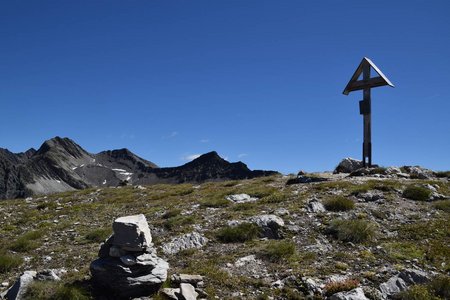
(277, 250)
(442, 205)
(9, 262)
(178, 222)
(51, 290)
(357, 231)
(26, 242)
(98, 235)
(404, 250)
(171, 213)
(339, 203)
(431, 237)
(238, 234)
(440, 286)
(215, 201)
(417, 193)
(416, 292)
(276, 197)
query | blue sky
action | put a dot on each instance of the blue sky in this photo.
(258, 81)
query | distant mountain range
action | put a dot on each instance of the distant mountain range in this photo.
(62, 165)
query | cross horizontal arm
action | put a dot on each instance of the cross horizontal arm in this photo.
(363, 84)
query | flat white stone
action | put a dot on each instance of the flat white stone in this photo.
(132, 233)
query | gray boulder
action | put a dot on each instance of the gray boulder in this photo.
(414, 276)
(270, 225)
(186, 241)
(401, 281)
(393, 286)
(348, 165)
(355, 294)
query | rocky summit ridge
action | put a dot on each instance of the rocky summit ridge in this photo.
(61, 165)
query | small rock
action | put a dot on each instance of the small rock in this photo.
(241, 198)
(128, 260)
(187, 278)
(281, 212)
(188, 291)
(277, 284)
(315, 206)
(170, 293)
(115, 251)
(47, 275)
(201, 293)
(371, 196)
(355, 294)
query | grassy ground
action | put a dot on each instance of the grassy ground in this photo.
(353, 238)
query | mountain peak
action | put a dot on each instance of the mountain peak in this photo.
(58, 144)
(213, 155)
(210, 158)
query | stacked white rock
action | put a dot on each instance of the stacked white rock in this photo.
(128, 266)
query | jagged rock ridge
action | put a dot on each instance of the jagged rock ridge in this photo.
(61, 165)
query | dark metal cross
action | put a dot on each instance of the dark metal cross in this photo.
(365, 84)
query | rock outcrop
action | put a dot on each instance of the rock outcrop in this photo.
(402, 280)
(184, 242)
(270, 225)
(128, 265)
(348, 165)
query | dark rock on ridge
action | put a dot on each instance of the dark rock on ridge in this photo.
(61, 165)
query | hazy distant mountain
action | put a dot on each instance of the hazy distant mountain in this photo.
(62, 165)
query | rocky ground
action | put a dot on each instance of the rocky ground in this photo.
(373, 234)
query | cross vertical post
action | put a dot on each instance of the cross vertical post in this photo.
(367, 144)
(365, 84)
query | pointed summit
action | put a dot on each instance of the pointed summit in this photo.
(210, 156)
(62, 145)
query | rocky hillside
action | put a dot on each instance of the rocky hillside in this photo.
(378, 234)
(61, 165)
